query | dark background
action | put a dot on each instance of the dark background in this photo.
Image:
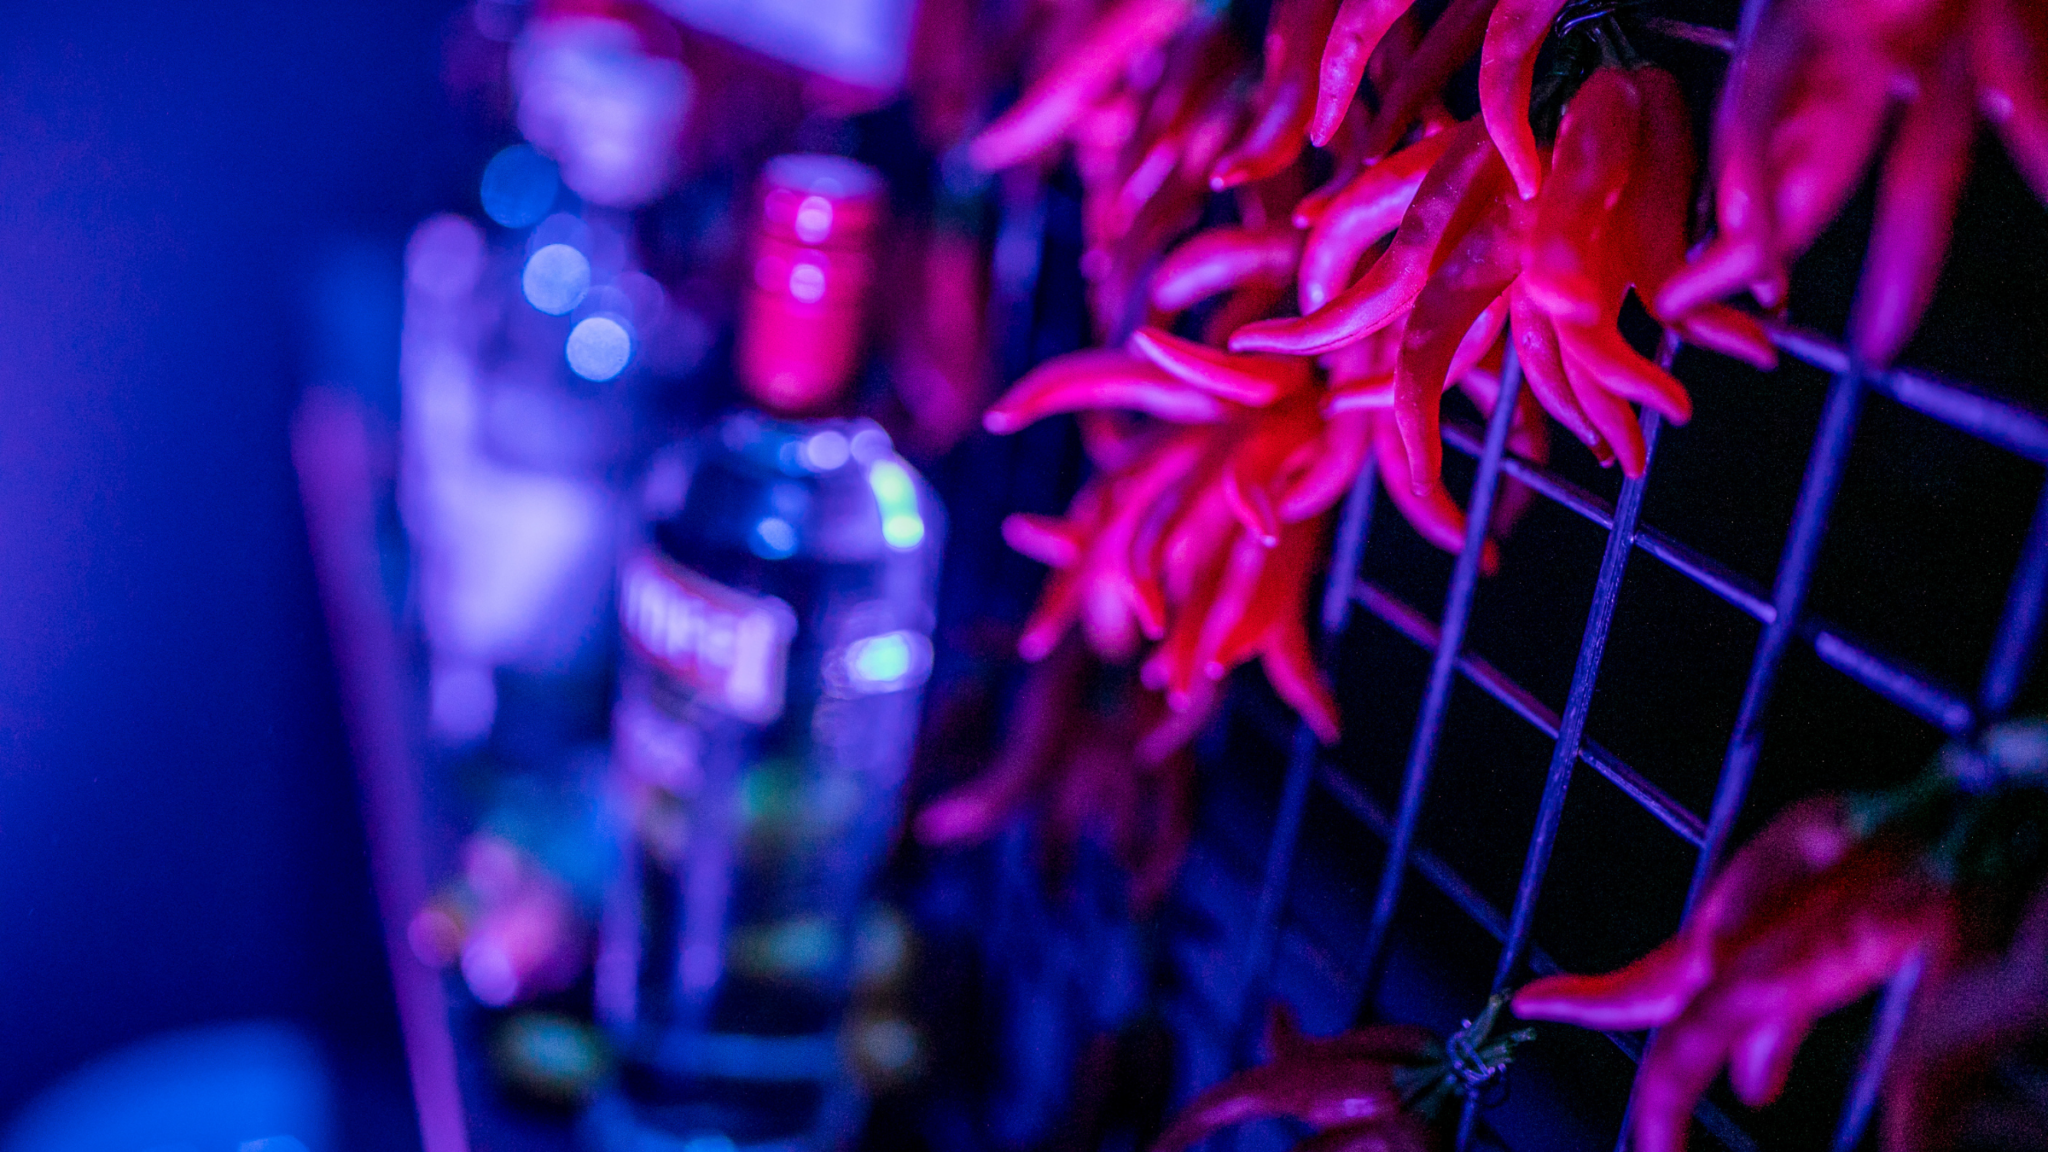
(179, 832)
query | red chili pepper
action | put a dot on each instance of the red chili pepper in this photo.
(1359, 216)
(1658, 206)
(1200, 68)
(1059, 605)
(1265, 462)
(1354, 35)
(1916, 205)
(1222, 258)
(1347, 437)
(1099, 379)
(1432, 511)
(1799, 120)
(1362, 374)
(1290, 667)
(1806, 919)
(1465, 285)
(1111, 439)
(1051, 541)
(1595, 156)
(1821, 951)
(2009, 56)
(1445, 48)
(1077, 80)
(1250, 303)
(1343, 1084)
(1277, 597)
(1543, 366)
(1507, 71)
(1295, 34)
(1253, 380)
(1601, 352)
(1802, 842)
(1236, 599)
(1117, 267)
(1820, 148)
(1347, 161)
(1528, 438)
(1463, 183)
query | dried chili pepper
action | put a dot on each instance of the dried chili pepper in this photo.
(1917, 194)
(1254, 380)
(1449, 43)
(1803, 842)
(1345, 1082)
(1743, 988)
(1834, 898)
(2009, 57)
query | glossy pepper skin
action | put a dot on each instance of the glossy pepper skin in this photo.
(1186, 545)
(1342, 1086)
(1201, 530)
(1507, 71)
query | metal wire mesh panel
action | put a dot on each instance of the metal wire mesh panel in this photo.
(1787, 625)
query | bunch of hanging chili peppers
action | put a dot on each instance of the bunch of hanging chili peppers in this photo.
(1433, 246)
(1829, 901)
(1432, 242)
(1375, 1088)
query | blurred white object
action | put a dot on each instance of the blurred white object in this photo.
(514, 563)
(595, 101)
(862, 42)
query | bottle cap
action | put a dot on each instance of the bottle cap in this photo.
(805, 312)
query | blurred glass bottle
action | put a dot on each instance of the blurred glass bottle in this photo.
(777, 628)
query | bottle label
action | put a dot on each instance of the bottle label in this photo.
(729, 647)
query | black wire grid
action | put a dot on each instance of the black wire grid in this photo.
(1780, 609)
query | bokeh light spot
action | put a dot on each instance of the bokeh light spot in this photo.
(556, 279)
(599, 348)
(519, 187)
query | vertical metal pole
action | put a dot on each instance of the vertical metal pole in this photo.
(2020, 626)
(1571, 728)
(1884, 1033)
(1788, 596)
(1336, 609)
(2011, 653)
(1457, 610)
